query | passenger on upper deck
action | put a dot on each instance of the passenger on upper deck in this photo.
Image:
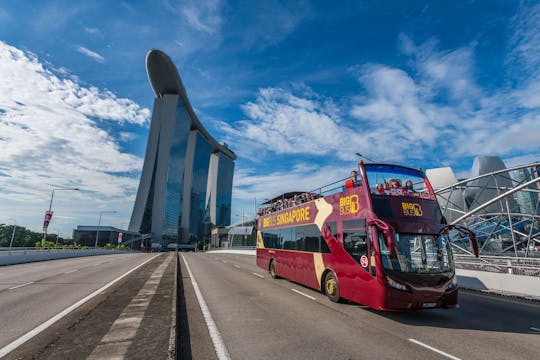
(379, 189)
(395, 187)
(353, 181)
(409, 187)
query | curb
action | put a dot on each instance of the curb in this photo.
(501, 294)
(174, 320)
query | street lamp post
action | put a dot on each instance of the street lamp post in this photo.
(50, 207)
(243, 225)
(12, 235)
(99, 223)
(365, 157)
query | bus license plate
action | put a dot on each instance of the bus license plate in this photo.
(429, 305)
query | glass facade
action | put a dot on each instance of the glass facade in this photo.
(224, 190)
(201, 163)
(172, 212)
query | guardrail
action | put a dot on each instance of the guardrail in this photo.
(25, 255)
(499, 264)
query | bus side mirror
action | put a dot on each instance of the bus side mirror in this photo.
(387, 231)
(389, 236)
(472, 236)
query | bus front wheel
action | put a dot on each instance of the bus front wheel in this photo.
(273, 273)
(331, 287)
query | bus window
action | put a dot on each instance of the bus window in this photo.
(271, 239)
(332, 226)
(288, 239)
(324, 246)
(354, 224)
(354, 242)
(311, 236)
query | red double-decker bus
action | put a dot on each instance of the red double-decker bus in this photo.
(380, 241)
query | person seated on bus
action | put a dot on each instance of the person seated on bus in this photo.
(395, 187)
(353, 181)
(409, 187)
(379, 190)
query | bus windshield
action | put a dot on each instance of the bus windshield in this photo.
(397, 181)
(417, 253)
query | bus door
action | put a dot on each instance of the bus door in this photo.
(359, 244)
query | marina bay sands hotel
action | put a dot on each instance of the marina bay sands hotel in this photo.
(186, 181)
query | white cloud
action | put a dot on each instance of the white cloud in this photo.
(202, 15)
(92, 30)
(126, 136)
(434, 110)
(282, 122)
(302, 177)
(91, 54)
(49, 137)
(525, 41)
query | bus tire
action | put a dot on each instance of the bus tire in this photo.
(272, 269)
(331, 288)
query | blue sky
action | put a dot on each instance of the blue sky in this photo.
(294, 87)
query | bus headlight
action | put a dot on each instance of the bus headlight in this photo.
(453, 284)
(396, 285)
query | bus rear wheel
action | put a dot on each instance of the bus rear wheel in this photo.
(273, 273)
(331, 287)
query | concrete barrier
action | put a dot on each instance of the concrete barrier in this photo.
(509, 284)
(234, 251)
(25, 256)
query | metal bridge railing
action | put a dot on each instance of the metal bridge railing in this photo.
(500, 264)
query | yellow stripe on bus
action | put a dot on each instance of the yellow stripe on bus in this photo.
(324, 210)
(319, 266)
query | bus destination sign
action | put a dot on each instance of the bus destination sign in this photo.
(299, 215)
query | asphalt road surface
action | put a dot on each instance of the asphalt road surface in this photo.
(262, 318)
(31, 294)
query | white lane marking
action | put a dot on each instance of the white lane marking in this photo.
(217, 340)
(225, 261)
(21, 340)
(434, 349)
(306, 295)
(534, 329)
(72, 271)
(18, 286)
(237, 266)
(259, 275)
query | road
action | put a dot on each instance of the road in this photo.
(31, 294)
(262, 318)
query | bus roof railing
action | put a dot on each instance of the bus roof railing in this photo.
(325, 190)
